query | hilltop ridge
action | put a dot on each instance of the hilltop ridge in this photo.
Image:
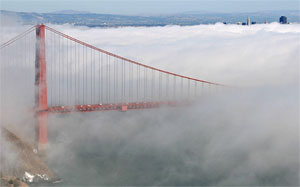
(82, 18)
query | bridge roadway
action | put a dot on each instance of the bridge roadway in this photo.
(118, 107)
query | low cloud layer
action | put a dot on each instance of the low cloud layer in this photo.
(220, 53)
(246, 137)
(237, 139)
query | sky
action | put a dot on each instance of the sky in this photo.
(133, 7)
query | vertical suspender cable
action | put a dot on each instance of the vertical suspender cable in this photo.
(159, 86)
(167, 86)
(152, 86)
(86, 76)
(137, 83)
(99, 74)
(129, 82)
(195, 95)
(91, 75)
(114, 69)
(144, 83)
(59, 72)
(124, 81)
(63, 72)
(174, 89)
(117, 80)
(68, 69)
(188, 88)
(102, 79)
(51, 72)
(109, 79)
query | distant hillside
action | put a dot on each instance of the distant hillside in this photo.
(70, 12)
(107, 20)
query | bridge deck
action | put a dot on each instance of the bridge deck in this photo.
(106, 107)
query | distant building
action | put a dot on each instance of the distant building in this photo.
(246, 23)
(283, 20)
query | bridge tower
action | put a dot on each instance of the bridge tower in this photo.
(41, 89)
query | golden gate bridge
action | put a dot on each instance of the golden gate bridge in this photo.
(55, 73)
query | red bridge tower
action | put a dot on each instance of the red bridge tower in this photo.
(41, 89)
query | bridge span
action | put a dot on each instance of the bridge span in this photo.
(52, 72)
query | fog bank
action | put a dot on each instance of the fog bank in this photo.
(247, 137)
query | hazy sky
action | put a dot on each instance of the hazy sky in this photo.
(149, 6)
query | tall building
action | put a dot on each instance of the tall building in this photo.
(248, 21)
(283, 20)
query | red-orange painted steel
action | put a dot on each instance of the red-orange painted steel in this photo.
(41, 84)
(42, 118)
(124, 108)
(17, 37)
